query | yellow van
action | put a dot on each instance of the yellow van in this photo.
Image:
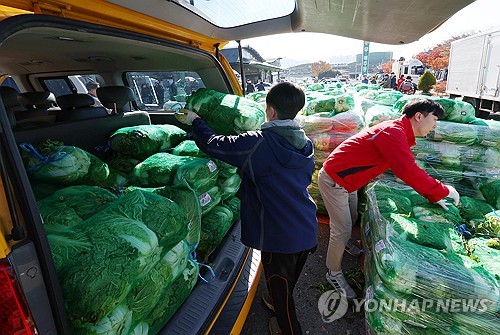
(145, 57)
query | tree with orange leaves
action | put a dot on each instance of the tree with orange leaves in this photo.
(387, 67)
(438, 57)
(319, 67)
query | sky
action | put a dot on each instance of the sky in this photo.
(482, 15)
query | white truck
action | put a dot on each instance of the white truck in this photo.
(474, 72)
(411, 67)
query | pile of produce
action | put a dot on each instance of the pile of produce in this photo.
(418, 255)
(139, 214)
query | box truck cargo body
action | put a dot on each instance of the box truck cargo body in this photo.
(474, 72)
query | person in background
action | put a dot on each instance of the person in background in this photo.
(146, 94)
(400, 81)
(365, 80)
(260, 86)
(172, 91)
(386, 81)
(250, 87)
(360, 159)
(278, 216)
(393, 81)
(92, 91)
(160, 93)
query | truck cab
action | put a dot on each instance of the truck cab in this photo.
(411, 67)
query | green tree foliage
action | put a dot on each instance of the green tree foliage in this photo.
(426, 81)
(329, 74)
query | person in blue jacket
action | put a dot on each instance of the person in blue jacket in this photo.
(278, 216)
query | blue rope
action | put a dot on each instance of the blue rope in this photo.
(104, 147)
(192, 257)
(50, 158)
(462, 229)
(174, 106)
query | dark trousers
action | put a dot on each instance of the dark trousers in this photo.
(282, 272)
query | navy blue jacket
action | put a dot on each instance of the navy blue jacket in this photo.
(277, 212)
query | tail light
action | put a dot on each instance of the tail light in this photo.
(14, 314)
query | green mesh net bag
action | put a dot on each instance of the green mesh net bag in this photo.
(234, 205)
(71, 205)
(143, 141)
(226, 114)
(188, 148)
(380, 113)
(128, 237)
(491, 192)
(214, 226)
(209, 199)
(56, 163)
(158, 169)
(229, 186)
(122, 162)
(456, 110)
(172, 298)
(387, 98)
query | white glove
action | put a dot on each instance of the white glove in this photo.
(186, 116)
(443, 204)
(453, 194)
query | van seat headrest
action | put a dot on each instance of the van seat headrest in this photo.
(9, 96)
(119, 95)
(37, 100)
(70, 101)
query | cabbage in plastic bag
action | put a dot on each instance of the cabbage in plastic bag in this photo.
(226, 114)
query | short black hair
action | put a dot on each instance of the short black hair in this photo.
(91, 85)
(424, 106)
(287, 99)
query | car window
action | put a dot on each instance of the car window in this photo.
(163, 90)
(58, 86)
(70, 84)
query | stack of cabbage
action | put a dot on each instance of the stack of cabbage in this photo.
(215, 184)
(184, 174)
(328, 118)
(422, 276)
(465, 155)
(125, 269)
(125, 255)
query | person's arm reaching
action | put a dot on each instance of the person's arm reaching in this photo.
(230, 149)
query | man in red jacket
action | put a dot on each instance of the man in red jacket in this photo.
(364, 156)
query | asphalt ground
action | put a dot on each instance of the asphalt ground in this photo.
(310, 286)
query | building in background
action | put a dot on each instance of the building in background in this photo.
(255, 66)
(375, 61)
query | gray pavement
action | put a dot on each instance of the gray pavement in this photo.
(307, 293)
